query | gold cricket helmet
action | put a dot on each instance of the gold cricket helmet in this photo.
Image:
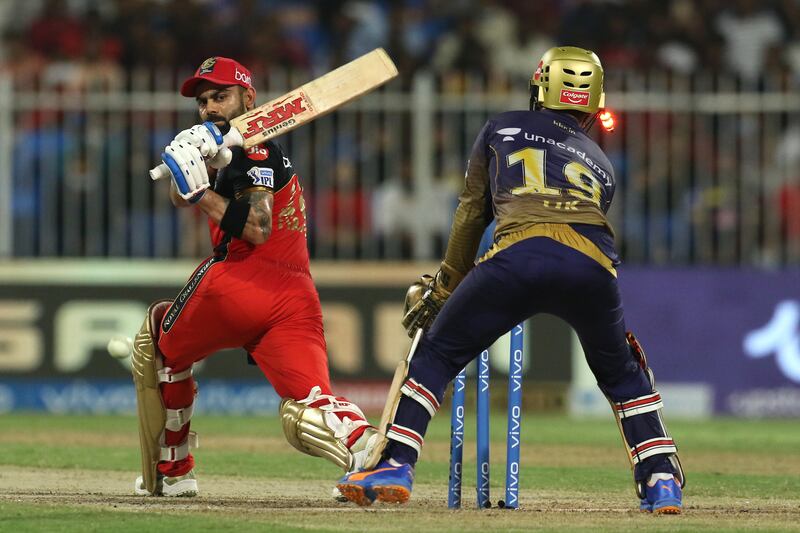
(569, 77)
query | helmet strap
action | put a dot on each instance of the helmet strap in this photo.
(589, 122)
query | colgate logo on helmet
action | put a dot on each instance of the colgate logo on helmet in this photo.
(568, 96)
(241, 76)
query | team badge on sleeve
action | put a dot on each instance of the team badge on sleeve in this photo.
(262, 177)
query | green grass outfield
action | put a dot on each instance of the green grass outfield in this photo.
(75, 473)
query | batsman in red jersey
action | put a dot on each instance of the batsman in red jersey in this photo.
(254, 292)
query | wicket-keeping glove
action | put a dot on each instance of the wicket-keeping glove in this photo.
(425, 298)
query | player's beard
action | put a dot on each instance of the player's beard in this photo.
(219, 120)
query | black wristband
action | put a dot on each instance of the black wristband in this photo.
(235, 218)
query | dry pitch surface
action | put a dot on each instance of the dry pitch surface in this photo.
(76, 473)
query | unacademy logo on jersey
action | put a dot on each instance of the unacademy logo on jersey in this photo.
(508, 132)
(781, 336)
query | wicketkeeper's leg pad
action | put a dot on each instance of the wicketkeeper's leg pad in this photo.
(396, 391)
(642, 428)
(148, 373)
(327, 426)
(416, 391)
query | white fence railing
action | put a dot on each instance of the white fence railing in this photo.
(707, 173)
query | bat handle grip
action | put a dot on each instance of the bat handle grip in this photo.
(160, 172)
(232, 138)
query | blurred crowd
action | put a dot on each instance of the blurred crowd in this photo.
(98, 45)
(98, 41)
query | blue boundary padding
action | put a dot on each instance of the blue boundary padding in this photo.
(118, 396)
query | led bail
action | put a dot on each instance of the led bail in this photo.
(607, 120)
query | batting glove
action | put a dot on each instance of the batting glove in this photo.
(188, 170)
(207, 138)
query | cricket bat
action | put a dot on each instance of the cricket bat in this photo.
(306, 103)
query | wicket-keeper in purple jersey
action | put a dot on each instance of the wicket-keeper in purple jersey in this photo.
(537, 174)
(548, 186)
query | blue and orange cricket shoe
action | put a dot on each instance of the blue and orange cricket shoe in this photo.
(662, 495)
(385, 483)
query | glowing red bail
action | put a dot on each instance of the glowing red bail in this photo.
(607, 120)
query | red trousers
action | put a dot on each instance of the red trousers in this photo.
(270, 310)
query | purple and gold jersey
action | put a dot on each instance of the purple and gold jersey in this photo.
(536, 173)
(542, 167)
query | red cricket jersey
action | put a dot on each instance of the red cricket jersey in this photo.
(260, 298)
(263, 164)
